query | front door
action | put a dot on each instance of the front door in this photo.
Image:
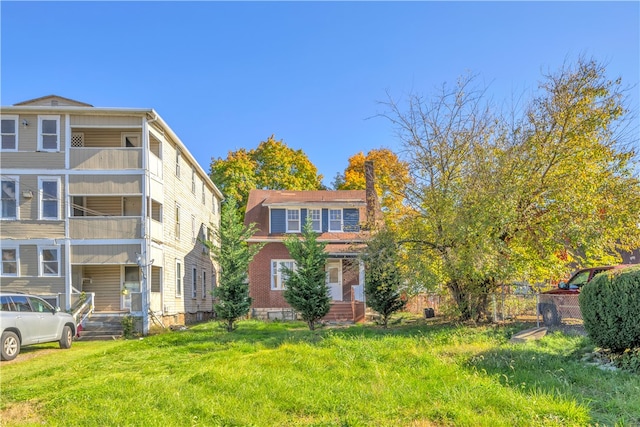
(334, 279)
(131, 284)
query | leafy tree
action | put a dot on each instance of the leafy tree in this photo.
(495, 198)
(383, 277)
(392, 176)
(233, 255)
(306, 289)
(271, 166)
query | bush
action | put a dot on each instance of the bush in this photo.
(610, 306)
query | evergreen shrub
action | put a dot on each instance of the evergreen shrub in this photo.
(610, 306)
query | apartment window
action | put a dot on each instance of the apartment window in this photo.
(178, 157)
(194, 282)
(50, 261)
(9, 262)
(178, 278)
(335, 219)
(293, 220)
(49, 133)
(214, 204)
(194, 233)
(214, 278)
(314, 216)
(204, 284)
(278, 275)
(193, 180)
(9, 131)
(204, 199)
(78, 206)
(49, 190)
(177, 231)
(9, 191)
(131, 140)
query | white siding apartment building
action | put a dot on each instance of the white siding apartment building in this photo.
(107, 204)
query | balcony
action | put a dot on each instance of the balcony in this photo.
(113, 227)
(105, 158)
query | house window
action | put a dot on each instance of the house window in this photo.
(314, 216)
(293, 220)
(177, 230)
(335, 219)
(178, 157)
(194, 282)
(49, 190)
(49, 261)
(9, 191)
(131, 140)
(9, 133)
(49, 133)
(178, 278)
(194, 234)
(204, 199)
(278, 275)
(204, 284)
(214, 279)
(9, 262)
(78, 206)
(193, 180)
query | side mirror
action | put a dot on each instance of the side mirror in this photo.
(56, 310)
(562, 285)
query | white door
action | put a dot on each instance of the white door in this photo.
(131, 284)
(334, 279)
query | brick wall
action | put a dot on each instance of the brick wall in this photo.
(260, 277)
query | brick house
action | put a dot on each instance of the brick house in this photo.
(338, 216)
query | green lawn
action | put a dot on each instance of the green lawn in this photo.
(281, 374)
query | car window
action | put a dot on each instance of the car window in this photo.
(6, 304)
(39, 305)
(579, 279)
(21, 303)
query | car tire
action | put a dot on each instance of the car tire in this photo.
(550, 315)
(10, 345)
(67, 337)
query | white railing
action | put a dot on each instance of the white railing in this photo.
(155, 165)
(82, 306)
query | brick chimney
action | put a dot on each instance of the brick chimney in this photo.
(374, 213)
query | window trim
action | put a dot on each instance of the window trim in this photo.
(177, 222)
(331, 220)
(125, 135)
(289, 230)
(17, 261)
(178, 160)
(179, 278)
(41, 269)
(309, 219)
(41, 134)
(194, 282)
(204, 284)
(193, 180)
(278, 274)
(41, 200)
(194, 233)
(15, 119)
(16, 184)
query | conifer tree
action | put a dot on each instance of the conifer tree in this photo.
(306, 289)
(233, 255)
(383, 279)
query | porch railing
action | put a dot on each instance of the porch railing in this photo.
(82, 306)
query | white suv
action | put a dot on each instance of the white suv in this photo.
(27, 319)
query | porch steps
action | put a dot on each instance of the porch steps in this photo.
(100, 327)
(342, 312)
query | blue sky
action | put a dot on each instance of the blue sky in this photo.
(227, 75)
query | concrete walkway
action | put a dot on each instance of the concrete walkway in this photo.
(529, 334)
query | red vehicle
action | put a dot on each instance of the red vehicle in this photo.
(562, 303)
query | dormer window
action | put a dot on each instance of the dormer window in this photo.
(293, 221)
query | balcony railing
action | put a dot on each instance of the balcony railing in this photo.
(113, 227)
(156, 230)
(105, 158)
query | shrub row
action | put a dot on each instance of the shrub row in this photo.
(610, 306)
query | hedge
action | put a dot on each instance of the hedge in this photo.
(610, 306)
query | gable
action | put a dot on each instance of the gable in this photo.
(53, 101)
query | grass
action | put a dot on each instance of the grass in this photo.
(281, 374)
